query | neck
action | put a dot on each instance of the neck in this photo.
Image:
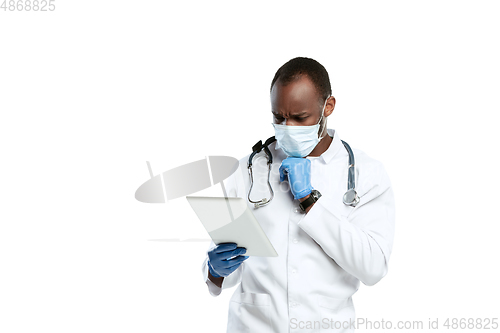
(322, 146)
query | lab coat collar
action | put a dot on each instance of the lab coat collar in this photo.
(332, 150)
(334, 147)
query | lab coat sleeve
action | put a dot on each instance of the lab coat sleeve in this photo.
(360, 243)
(235, 277)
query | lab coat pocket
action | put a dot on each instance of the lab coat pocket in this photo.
(337, 314)
(249, 312)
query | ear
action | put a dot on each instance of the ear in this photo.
(330, 105)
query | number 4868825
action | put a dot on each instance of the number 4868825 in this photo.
(28, 5)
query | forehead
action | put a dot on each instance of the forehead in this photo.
(298, 95)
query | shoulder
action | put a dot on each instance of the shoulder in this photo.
(274, 152)
(370, 173)
(367, 162)
(241, 179)
(235, 183)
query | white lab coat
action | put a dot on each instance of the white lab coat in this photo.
(322, 255)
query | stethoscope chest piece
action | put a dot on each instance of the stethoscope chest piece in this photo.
(351, 198)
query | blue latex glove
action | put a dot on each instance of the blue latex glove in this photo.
(219, 263)
(298, 170)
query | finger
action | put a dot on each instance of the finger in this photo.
(282, 172)
(297, 186)
(302, 166)
(235, 262)
(223, 247)
(233, 253)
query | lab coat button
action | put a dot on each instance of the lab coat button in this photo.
(295, 240)
(294, 271)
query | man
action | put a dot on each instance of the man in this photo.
(323, 252)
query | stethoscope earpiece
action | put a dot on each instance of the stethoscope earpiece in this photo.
(257, 148)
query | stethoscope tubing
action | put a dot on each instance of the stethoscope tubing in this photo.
(350, 198)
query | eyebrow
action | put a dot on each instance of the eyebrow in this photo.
(293, 115)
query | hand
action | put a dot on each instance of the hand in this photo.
(219, 263)
(298, 170)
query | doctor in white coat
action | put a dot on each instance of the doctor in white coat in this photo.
(323, 252)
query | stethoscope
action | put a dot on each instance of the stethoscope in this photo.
(350, 198)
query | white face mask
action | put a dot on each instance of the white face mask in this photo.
(298, 141)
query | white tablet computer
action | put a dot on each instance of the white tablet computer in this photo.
(230, 220)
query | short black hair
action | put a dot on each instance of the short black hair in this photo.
(296, 67)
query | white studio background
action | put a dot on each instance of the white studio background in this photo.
(93, 90)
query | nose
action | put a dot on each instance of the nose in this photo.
(289, 122)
